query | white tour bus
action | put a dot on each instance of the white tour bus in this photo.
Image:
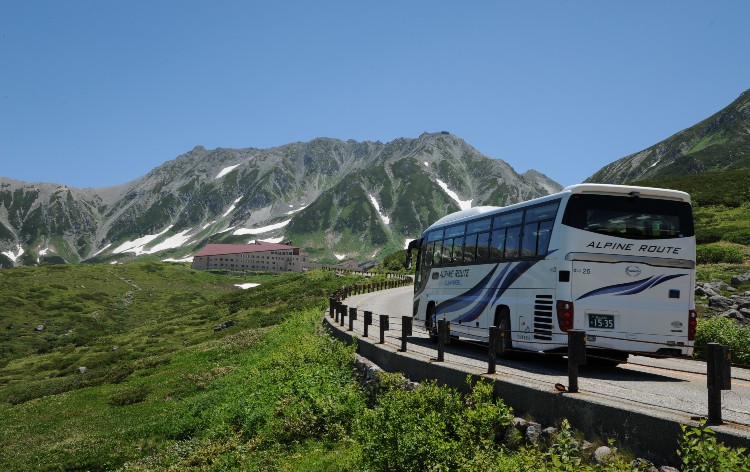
(615, 261)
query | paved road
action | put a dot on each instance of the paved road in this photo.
(674, 384)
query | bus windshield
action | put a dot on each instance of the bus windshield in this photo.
(629, 217)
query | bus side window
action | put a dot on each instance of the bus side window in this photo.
(530, 233)
(545, 231)
(447, 249)
(470, 250)
(483, 247)
(498, 244)
(428, 255)
(512, 242)
(436, 252)
(458, 250)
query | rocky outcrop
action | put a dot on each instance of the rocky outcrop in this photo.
(735, 306)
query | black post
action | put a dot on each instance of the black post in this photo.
(576, 356)
(343, 314)
(352, 317)
(405, 330)
(718, 378)
(442, 325)
(492, 361)
(337, 310)
(368, 321)
(331, 306)
(383, 327)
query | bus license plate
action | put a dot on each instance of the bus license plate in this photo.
(602, 321)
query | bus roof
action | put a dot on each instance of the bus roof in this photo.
(630, 190)
(601, 189)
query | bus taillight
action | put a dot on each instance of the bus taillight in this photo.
(692, 324)
(565, 315)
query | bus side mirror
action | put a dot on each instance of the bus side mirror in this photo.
(414, 244)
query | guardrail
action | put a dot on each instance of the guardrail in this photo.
(718, 364)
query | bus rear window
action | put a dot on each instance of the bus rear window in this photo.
(628, 217)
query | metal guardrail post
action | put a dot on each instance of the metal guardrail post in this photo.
(718, 378)
(442, 336)
(331, 306)
(406, 322)
(576, 356)
(492, 357)
(336, 311)
(352, 317)
(383, 327)
(368, 321)
(343, 314)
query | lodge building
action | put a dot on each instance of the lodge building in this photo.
(261, 256)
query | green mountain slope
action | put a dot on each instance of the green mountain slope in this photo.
(719, 143)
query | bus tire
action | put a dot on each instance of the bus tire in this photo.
(502, 321)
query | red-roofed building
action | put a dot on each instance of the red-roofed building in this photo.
(260, 255)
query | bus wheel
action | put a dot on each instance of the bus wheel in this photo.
(502, 321)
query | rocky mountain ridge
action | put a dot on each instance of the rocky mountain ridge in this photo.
(336, 199)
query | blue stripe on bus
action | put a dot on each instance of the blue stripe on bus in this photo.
(631, 288)
(469, 297)
(504, 279)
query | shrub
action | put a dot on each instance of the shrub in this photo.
(129, 395)
(724, 331)
(715, 254)
(432, 428)
(700, 452)
(738, 237)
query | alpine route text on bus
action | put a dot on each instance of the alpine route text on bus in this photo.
(615, 261)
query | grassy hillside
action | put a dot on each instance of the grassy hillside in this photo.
(721, 201)
(163, 391)
(156, 372)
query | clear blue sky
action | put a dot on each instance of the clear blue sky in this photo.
(97, 93)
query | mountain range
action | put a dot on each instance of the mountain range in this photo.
(335, 199)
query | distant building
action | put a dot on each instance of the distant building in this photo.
(260, 255)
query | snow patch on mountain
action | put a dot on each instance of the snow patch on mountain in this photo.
(184, 259)
(340, 257)
(291, 212)
(265, 229)
(171, 242)
(385, 219)
(246, 286)
(102, 250)
(137, 245)
(462, 204)
(13, 256)
(231, 208)
(268, 240)
(225, 171)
